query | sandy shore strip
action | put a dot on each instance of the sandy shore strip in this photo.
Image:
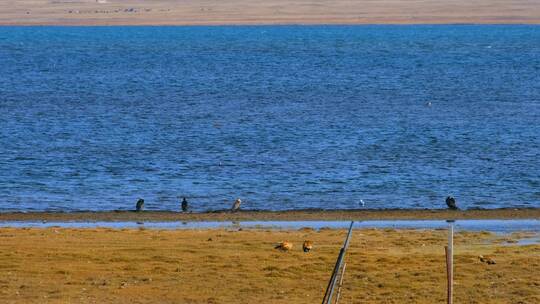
(238, 12)
(57, 265)
(293, 215)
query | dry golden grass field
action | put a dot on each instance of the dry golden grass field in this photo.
(61, 265)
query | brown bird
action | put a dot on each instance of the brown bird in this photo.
(284, 246)
(236, 205)
(307, 246)
(486, 260)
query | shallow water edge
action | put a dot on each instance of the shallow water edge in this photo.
(499, 226)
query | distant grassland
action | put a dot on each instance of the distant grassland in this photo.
(205, 12)
(57, 265)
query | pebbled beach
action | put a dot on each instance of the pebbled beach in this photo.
(291, 215)
(237, 12)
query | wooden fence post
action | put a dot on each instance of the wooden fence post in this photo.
(340, 282)
(327, 299)
(449, 250)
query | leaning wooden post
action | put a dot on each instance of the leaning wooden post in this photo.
(450, 262)
(327, 299)
(340, 282)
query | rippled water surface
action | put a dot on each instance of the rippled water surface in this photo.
(284, 117)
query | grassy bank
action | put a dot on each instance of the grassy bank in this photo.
(241, 266)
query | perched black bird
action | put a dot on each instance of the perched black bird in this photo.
(140, 205)
(451, 203)
(184, 205)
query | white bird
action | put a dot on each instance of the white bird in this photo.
(362, 203)
(236, 205)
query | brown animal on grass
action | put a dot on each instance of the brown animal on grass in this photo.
(486, 260)
(284, 246)
(307, 246)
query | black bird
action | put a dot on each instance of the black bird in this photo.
(140, 205)
(184, 205)
(451, 203)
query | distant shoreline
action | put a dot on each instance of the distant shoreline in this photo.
(251, 24)
(263, 215)
(536, 23)
(275, 12)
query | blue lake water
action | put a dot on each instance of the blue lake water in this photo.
(284, 117)
(498, 226)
